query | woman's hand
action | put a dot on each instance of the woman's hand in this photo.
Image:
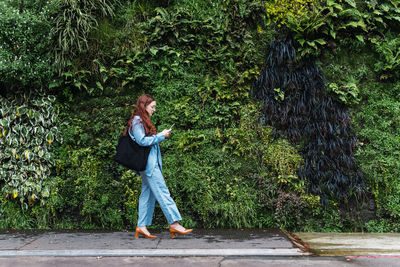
(166, 132)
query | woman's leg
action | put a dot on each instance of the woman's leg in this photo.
(160, 191)
(146, 204)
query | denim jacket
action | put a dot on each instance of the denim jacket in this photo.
(137, 133)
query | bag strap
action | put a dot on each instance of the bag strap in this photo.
(127, 128)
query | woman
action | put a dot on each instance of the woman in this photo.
(142, 131)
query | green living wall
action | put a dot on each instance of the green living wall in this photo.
(199, 60)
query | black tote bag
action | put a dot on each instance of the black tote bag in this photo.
(131, 155)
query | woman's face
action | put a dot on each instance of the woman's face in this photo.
(151, 108)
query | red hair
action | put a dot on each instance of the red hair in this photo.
(140, 110)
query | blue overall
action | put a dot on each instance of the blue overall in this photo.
(153, 183)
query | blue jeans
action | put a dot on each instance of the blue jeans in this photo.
(154, 188)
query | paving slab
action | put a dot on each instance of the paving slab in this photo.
(352, 243)
(111, 261)
(227, 238)
(201, 242)
(15, 240)
(72, 241)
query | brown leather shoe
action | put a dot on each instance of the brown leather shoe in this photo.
(173, 231)
(139, 231)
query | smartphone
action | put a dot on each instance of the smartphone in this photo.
(172, 126)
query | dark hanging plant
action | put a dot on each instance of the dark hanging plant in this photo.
(295, 103)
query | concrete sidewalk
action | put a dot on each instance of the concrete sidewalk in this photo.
(364, 244)
(201, 242)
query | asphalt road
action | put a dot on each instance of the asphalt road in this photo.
(198, 261)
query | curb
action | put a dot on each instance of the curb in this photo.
(152, 253)
(297, 241)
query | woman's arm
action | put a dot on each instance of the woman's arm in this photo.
(142, 139)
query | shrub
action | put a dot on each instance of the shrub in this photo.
(25, 60)
(28, 130)
(379, 135)
(93, 191)
(383, 225)
(280, 11)
(388, 49)
(317, 25)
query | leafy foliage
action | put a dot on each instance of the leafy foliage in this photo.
(25, 38)
(388, 50)
(380, 137)
(321, 23)
(189, 97)
(309, 116)
(199, 60)
(28, 128)
(347, 93)
(89, 183)
(280, 11)
(73, 21)
(374, 121)
(383, 225)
